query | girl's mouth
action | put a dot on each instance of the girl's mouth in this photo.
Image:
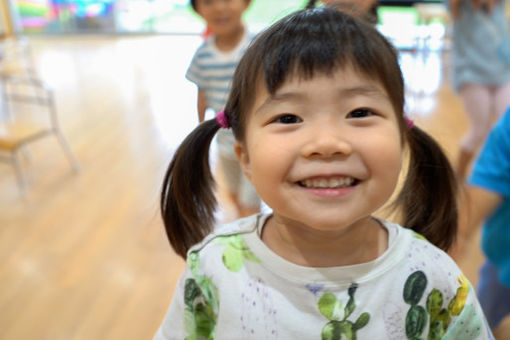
(222, 21)
(328, 183)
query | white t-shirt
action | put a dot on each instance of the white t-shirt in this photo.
(235, 287)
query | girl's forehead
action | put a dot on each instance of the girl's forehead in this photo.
(339, 85)
(341, 76)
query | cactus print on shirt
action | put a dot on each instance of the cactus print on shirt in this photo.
(235, 287)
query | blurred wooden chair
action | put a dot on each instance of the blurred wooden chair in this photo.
(15, 62)
(20, 85)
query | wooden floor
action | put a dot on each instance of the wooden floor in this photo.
(84, 256)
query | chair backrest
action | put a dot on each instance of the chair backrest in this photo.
(16, 57)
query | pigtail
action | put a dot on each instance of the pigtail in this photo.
(188, 201)
(429, 194)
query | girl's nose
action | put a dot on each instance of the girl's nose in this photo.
(327, 142)
(220, 5)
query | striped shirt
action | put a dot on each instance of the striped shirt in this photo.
(212, 70)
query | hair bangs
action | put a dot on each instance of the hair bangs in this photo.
(304, 46)
(321, 40)
(311, 42)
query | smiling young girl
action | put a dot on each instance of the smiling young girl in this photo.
(316, 108)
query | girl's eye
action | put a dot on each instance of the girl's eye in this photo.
(360, 113)
(288, 119)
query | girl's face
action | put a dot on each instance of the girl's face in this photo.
(222, 16)
(323, 153)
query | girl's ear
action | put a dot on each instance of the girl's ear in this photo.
(243, 158)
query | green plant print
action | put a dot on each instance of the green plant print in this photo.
(235, 252)
(458, 302)
(468, 325)
(439, 317)
(416, 317)
(201, 303)
(339, 328)
(193, 262)
(418, 236)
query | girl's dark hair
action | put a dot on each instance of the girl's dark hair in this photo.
(304, 44)
(194, 4)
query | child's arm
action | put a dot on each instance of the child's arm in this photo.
(477, 206)
(201, 105)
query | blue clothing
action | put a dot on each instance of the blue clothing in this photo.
(480, 44)
(492, 172)
(212, 70)
(494, 297)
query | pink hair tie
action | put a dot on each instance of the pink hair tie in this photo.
(409, 123)
(222, 119)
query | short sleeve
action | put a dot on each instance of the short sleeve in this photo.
(172, 326)
(492, 168)
(194, 72)
(194, 308)
(470, 323)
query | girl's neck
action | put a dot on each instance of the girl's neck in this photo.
(228, 41)
(362, 243)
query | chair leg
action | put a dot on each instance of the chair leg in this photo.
(26, 153)
(22, 183)
(6, 110)
(67, 151)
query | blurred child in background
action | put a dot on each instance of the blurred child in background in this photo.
(488, 202)
(211, 69)
(481, 69)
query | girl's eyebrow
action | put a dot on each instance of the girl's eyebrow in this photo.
(361, 90)
(281, 97)
(364, 90)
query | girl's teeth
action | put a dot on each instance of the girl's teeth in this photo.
(338, 182)
(323, 183)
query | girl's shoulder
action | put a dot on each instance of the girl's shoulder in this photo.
(230, 230)
(205, 49)
(415, 248)
(424, 262)
(420, 255)
(225, 247)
